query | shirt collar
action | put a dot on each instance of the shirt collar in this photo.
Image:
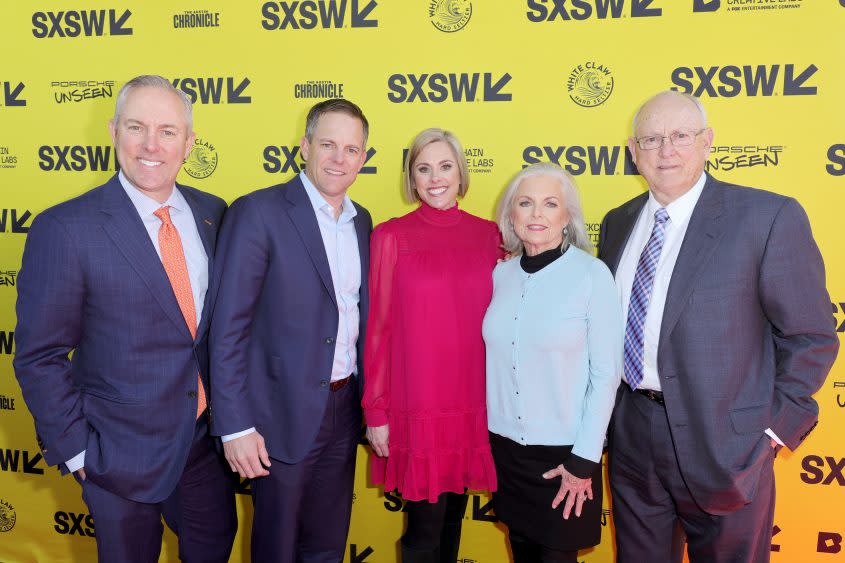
(147, 206)
(320, 205)
(679, 210)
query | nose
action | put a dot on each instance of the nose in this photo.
(666, 147)
(151, 141)
(337, 155)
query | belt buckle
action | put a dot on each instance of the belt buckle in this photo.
(339, 384)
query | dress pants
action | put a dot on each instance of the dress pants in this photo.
(302, 510)
(654, 511)
(200, 511)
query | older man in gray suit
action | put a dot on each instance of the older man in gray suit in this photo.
(728, 335)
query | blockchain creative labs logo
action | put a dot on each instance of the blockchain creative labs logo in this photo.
(450, 15)
(318, 90)
(202, 161)
(67, 91)
(8, 517)
(479, 160)
(590, 84)
(8, 158)
(11, 94)
(736, 6)
(194, 19)
(725, 158)
(593, 229)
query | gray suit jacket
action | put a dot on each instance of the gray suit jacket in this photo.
(746, 337)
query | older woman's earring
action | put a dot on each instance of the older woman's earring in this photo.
(566, 231)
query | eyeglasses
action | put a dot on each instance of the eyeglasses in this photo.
(682, 138)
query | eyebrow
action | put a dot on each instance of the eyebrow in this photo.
(164, 126)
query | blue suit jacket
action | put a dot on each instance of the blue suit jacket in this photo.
(92, 284)
(746, 336)
(275, 319)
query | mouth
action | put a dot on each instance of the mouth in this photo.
(437, 191)
(332, 172)
(535, 227)
(150, 163)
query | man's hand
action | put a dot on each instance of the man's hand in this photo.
(378, 436)
(81, 473)
(247, 455)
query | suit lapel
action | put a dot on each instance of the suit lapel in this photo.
(362, 232)
(615, 246)
(207, 231)
(705, 230)
(302, 215)
(126, 230)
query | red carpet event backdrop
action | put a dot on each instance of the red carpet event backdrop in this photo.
(518, 81)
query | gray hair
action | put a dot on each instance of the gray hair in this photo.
(576, 234)
(425, 138)
(334, 105)
(692, 99)
(153, 81)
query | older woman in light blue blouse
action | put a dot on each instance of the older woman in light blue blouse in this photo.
(554, 344)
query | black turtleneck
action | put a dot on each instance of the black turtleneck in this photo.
(533, 264)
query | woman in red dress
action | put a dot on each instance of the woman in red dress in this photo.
(424, 389)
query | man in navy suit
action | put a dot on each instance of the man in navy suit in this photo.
(728, 336)
(118, 277)
(286, 342)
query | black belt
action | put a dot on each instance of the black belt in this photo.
(656, 396)
(340, 383)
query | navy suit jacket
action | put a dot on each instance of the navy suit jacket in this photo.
(92, 284)
(275, 319)
(746, 337)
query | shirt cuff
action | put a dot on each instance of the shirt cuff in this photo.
(76, 463)
(774, 436)
(229, 437)
(579, 466)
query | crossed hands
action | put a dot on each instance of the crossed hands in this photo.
(574, 490)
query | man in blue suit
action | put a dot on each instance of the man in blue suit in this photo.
(118, 277)
(286, 342)
(728, 336)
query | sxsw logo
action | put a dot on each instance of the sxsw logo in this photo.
(356, 556)
(12, 94)
(566, 10)
(284, 159)
(454, 87)
(7, 342)
(836, 157)
(706, 5)
(17, 460)
(601, 160)
(73, 23)
(71, 523)
(214, 90)
(310, 14)
(14, 220)
(76, 158)
(823, 470)
(728, 81)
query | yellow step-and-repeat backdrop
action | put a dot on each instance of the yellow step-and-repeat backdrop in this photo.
(519, 81)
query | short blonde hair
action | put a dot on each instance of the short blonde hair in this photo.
(576, 233)
(434, 135)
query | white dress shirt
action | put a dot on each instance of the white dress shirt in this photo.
(679, 212)
(341, 244)
(183, 219)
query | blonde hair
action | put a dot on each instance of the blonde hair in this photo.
(576, 233)
(425, 138)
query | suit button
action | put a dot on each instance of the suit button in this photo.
(192, 394)
(323, 383)
(329, 340)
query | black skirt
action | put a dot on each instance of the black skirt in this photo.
(524, 499)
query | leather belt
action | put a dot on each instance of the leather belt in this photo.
(656, 396)
(340, 383)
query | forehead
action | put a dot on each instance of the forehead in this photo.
(153, 105)
(668, 113)
(540, 186)
(438, 150)
(341, 127)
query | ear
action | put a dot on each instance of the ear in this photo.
(632, 148)
(707, 135)
(304, 148)
(189, 144)
(113, 131)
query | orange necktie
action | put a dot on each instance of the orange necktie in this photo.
(173, 258)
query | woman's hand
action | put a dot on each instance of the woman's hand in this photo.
(573, 489)
(378, 437)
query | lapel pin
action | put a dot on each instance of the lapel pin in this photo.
(208, 222)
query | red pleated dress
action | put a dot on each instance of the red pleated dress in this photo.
(430, 285)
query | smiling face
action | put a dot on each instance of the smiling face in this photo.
(334, 155)
(436, 175)
(669, 170)
(152, 139)
(539, 213)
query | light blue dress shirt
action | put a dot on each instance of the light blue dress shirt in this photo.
(183, 219)
(554, 351)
